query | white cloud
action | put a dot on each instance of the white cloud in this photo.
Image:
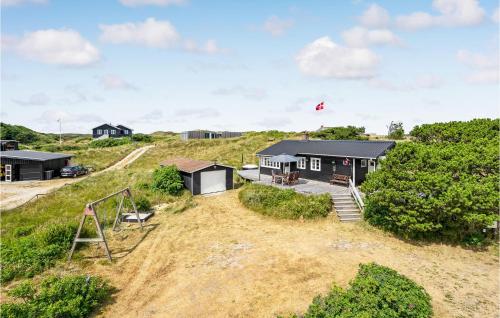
(164, 3)
(11, 3)
(38, 99)
(485, 69)
(210, 47)
(452, 13)
(51, 116)
(64, 46)
(496, 15)
(114, 82)
(151, 33)
(375, 17)
(361, 37)
(324, 58)
(154, 116)
(204, 112)
(276, 26)
(427, 81)
(248, 93)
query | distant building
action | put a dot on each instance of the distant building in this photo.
(6, 145)
(110, 131)
(208, 134)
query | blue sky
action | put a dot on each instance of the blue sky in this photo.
(247, 65)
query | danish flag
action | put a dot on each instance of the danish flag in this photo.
(320, 106)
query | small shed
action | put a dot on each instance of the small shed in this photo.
(6, 145)
(203, 177)
(19, 165)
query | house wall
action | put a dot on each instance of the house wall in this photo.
(187, 179)
(197, 177)
(327, 164)
(108, 127)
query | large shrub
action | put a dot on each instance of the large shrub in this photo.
(349, 132)
(109, 142)
(457, 131)
(445, 190)
(285, 204)
(31, 252)
(167, 180)
(142, 137)
(64, 297)
(376, 292)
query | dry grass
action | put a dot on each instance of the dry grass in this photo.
(219, 259)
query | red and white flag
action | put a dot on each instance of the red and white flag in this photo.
(320, 106)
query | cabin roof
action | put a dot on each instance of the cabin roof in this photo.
(334, 148)
(33, 155)
(190, 165)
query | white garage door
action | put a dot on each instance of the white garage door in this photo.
(213, 181)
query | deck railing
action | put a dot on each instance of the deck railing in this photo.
(356, 195)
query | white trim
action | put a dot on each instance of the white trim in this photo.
(113, 131)
(364, 163)
(313, 166)
(266, 163)
(302, 163)
(106, 131)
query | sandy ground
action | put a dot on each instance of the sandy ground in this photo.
(14, 194)
(219, 259)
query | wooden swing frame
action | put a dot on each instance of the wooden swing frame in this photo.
(90, 211)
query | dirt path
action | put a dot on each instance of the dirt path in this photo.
(14, 194)
(222, 260)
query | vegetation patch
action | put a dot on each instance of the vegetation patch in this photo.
(376, 292)
(445, 186)
(348, 133)
(284, 203)
(167, 180)
(67, 296)
(141, 138)
(30, 252)
(109, 142)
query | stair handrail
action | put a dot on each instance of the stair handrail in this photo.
(357, 197)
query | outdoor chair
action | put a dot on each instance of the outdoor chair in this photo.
(276, 177)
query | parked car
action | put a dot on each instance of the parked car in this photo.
(74, 171)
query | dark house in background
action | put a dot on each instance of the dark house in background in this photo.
(110, 131)
(20, 165)
(320, 159)
(6, 145)
(202, 177)
(208, 134)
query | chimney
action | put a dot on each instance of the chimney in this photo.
(305, 136)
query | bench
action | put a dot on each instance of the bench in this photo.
(340, 178)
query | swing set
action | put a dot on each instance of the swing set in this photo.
(91, 212)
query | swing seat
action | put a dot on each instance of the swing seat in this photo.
(132, 218)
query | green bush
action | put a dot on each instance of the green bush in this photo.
(332, 133)
(285, 204)
(375, 292)
(143, 204)
(458, 131)
(109, 142)
(142, 138)
(167, 180)
(443, 191)
(64, 297)
(28, 255)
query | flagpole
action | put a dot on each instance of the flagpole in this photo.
(60, 131)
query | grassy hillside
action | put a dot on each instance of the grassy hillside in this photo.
(24, 135)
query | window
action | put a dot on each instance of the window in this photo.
(301, 164)
(99, 131)
(126, 132)
(315, 164)
(266, 162)
(363, 163)
(113, 131)
(106, 131)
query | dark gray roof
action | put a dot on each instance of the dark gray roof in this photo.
(124, 127)
(335, 148)
(33, 155)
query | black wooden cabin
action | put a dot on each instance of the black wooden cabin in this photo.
(111, 131)
(22, 165)
(320, 159)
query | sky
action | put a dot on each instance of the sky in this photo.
(176, 65)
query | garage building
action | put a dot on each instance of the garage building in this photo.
(20, 165)
(202, 177)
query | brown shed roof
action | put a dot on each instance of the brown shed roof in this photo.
(189, 165)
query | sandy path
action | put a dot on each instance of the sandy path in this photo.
(14, 194)
(222, 260)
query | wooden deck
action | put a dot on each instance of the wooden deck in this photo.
(303, 186)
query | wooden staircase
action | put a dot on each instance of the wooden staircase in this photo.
(346, 208)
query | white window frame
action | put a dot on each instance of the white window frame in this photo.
(113, 131)
(364, 163)
(313, 164)
(266, 163)
(99, 131)
(302, 163)
(125, 131)
(106, 132)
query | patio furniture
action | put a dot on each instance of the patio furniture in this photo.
(340, 178)
(276, 177)
(291, 178)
